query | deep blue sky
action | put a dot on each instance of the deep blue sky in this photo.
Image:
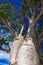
(4, 61)
(16, 2)
(13, 2)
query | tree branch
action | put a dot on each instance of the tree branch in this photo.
(9, 27)
(38, 16)
(30, 10)
(41, 12)
(42, 6)
(41, 3)
(21, 31)
(41, 36)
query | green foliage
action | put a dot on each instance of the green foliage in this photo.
(3, 41)
(10, 13)
(26, 4)
(4, 10)
(8, 6)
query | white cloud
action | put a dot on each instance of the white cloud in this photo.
(3, 64)
(4, 55)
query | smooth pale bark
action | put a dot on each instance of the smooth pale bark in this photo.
(15, 47)
(27, 54)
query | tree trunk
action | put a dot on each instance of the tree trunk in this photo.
(15, 47)
(28, 54)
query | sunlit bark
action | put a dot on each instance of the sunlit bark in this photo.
(15, 47)
(27, 54)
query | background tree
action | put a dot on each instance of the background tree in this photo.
(11, 18)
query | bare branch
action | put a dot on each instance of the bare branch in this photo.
(30, 6)
(30, 9)
(42, 6)
(37, 17)
(41, 13)
(9, 27)
(41, 3)
(41, 35)
(21, 30)
(35, 11)
(40, 38)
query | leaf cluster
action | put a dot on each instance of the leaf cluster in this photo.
(3, 41)
(4, 10)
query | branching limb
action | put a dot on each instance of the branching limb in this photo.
(9, 27)
(38, 16)
(41, 13)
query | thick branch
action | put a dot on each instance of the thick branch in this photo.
(9, 27)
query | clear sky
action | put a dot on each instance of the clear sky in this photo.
(13, 2)
(16, 2)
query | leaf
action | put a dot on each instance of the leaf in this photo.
(1, 6)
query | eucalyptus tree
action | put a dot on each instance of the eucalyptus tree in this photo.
(28, 53)
(23, 44)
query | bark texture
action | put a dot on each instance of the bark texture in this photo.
(25, 51)
(27, 54)
(15, 47)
